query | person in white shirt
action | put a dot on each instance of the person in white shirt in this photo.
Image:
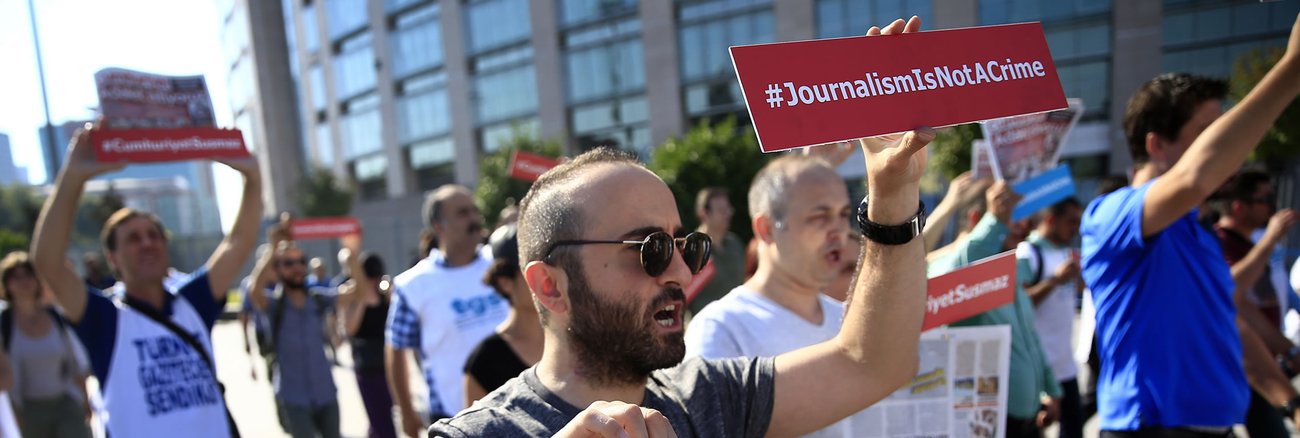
(441, 308)
(799, 209)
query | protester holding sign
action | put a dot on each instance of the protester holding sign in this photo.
(151, 347)
(597, 246)
(1166, 325)
(1032, 380)
(300, 318)
(800, 213)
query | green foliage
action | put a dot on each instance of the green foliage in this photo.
(11, 241)
(325, 195)
(950, 151)
(1282, 140)
(496, 189)
(19, 207)
(711, 155)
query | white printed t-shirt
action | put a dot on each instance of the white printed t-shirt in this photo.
(744, 323)
(444, 312)
(1054, 316)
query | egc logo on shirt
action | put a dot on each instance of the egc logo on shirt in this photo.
(173, 376)
(469, 310)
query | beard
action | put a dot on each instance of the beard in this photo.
(615, 340)
(294, 283)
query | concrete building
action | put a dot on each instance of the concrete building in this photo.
(58, 151)
(404, 95)
(9, 172)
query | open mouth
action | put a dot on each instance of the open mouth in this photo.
(669, 316)
(835, 256)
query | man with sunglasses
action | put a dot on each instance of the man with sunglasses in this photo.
(1248, 203)
(595, 238)
(799, 210)
(441, 308)
(298, 314)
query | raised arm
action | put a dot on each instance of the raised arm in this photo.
(226, 262)
(1219, 150)
(275, 235)
(875, 351)
(54, 226)
(961, 193)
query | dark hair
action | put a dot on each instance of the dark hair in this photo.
(1242, 186)
(707, 194)
(1163, 105)
(11, 263)
(1064, 205)
(108, 235)
(372, 265)
(1111, 183)
(500, 269)
(432, 211)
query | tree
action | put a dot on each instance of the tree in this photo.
(19, 208)
(324, 194)
(711, 155)
(496, 189)
(11, 241)
(950, 151)
(1282, 140)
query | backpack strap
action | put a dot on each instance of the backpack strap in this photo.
(1038, 259)
(7, 327)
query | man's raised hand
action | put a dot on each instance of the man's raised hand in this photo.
(81, 162)
(617, 419)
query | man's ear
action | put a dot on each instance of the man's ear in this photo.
(1155, 146)
(548, 284)
(763, 226)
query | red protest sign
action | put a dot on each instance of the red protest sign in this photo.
(529, 167)
(699, 281)
(324, 227)
(815, 92)
(153, 145)
(971, 290)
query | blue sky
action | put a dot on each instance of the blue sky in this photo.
(80, 37)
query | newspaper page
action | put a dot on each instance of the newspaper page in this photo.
(136, 100)
(981, 163)
(959, 391)
(1026, 146)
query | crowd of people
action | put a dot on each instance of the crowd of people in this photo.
(580, 313)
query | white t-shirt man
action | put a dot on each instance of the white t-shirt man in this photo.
(1054, 316)
(444, 312)
(744, 323)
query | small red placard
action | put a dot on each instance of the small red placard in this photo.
(528, 167)
(324, 227)
(815, 92)
(171, 144)
(971, 290)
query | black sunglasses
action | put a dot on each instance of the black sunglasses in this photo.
(657, 250)
(291, 262)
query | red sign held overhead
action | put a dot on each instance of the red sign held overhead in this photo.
(815, 92)
(700, 280)
(154, 145)
(528, 167)
(324, 227)
(971, 290)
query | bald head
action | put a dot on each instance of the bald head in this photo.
(774, 186)
(552, 210)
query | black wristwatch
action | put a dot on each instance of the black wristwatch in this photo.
(891, 234)
(1288, 409)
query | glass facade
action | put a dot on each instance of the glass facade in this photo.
(416, 41)
(433, 162)
(310, 29)
(621, 123)
(843, 18)
(361, 126)
(354, 66)
(423, 110)
(492, 137)
(345, 16)
(605, 69)
(575, 12)
(706, 30)
(491, 24)
(505, 94)
(1207, 38)
(316, 80)
(1016, 11)
(324, 145)
(370, 173)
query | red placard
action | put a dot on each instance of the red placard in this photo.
(971, 290)
(528, 167)
(699, 281)
(324, 227)
(174, 144)
(815, 92)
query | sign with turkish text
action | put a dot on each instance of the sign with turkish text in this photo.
(1026, 146)
(528, 167)
(971, 290)
(155, 145)
(151, 118)
(324, 227)
(1042, 191)
(823, 91)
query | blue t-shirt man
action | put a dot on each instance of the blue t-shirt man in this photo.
(1166, 325)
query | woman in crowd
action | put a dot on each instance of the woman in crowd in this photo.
(363, 307)
(517, 343)
(49, 372)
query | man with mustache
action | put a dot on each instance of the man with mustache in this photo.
(799, 209)
(441, 308)
(612, 313)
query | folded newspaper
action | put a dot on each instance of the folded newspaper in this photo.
(136, 100)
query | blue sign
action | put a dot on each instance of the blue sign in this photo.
(1042, 191)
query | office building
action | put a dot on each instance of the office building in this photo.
(9, 172)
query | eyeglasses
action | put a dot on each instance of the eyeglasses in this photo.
(657, 250)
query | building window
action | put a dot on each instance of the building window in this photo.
(1016, 11)
(370, 174)
(707, 29)
(694, 10)
(604, 70)
(417, 41)
(493, 137)
(434, 163)
(361, 126)
(496, 23)
(395, 5)
(621, 123)
(844, 18)
(574, 12)
(310, 29)
(423, 110)
(345, 16)
(354, 66)
(316, 80)
(505, 94)
(324, 144)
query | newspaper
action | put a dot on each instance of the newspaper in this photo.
(136, 100)
(959, 391)
(981, 164)
(1026, 146)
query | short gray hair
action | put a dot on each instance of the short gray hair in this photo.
(433, 200)
(769, 194)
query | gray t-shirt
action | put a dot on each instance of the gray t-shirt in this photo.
(700, 398)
